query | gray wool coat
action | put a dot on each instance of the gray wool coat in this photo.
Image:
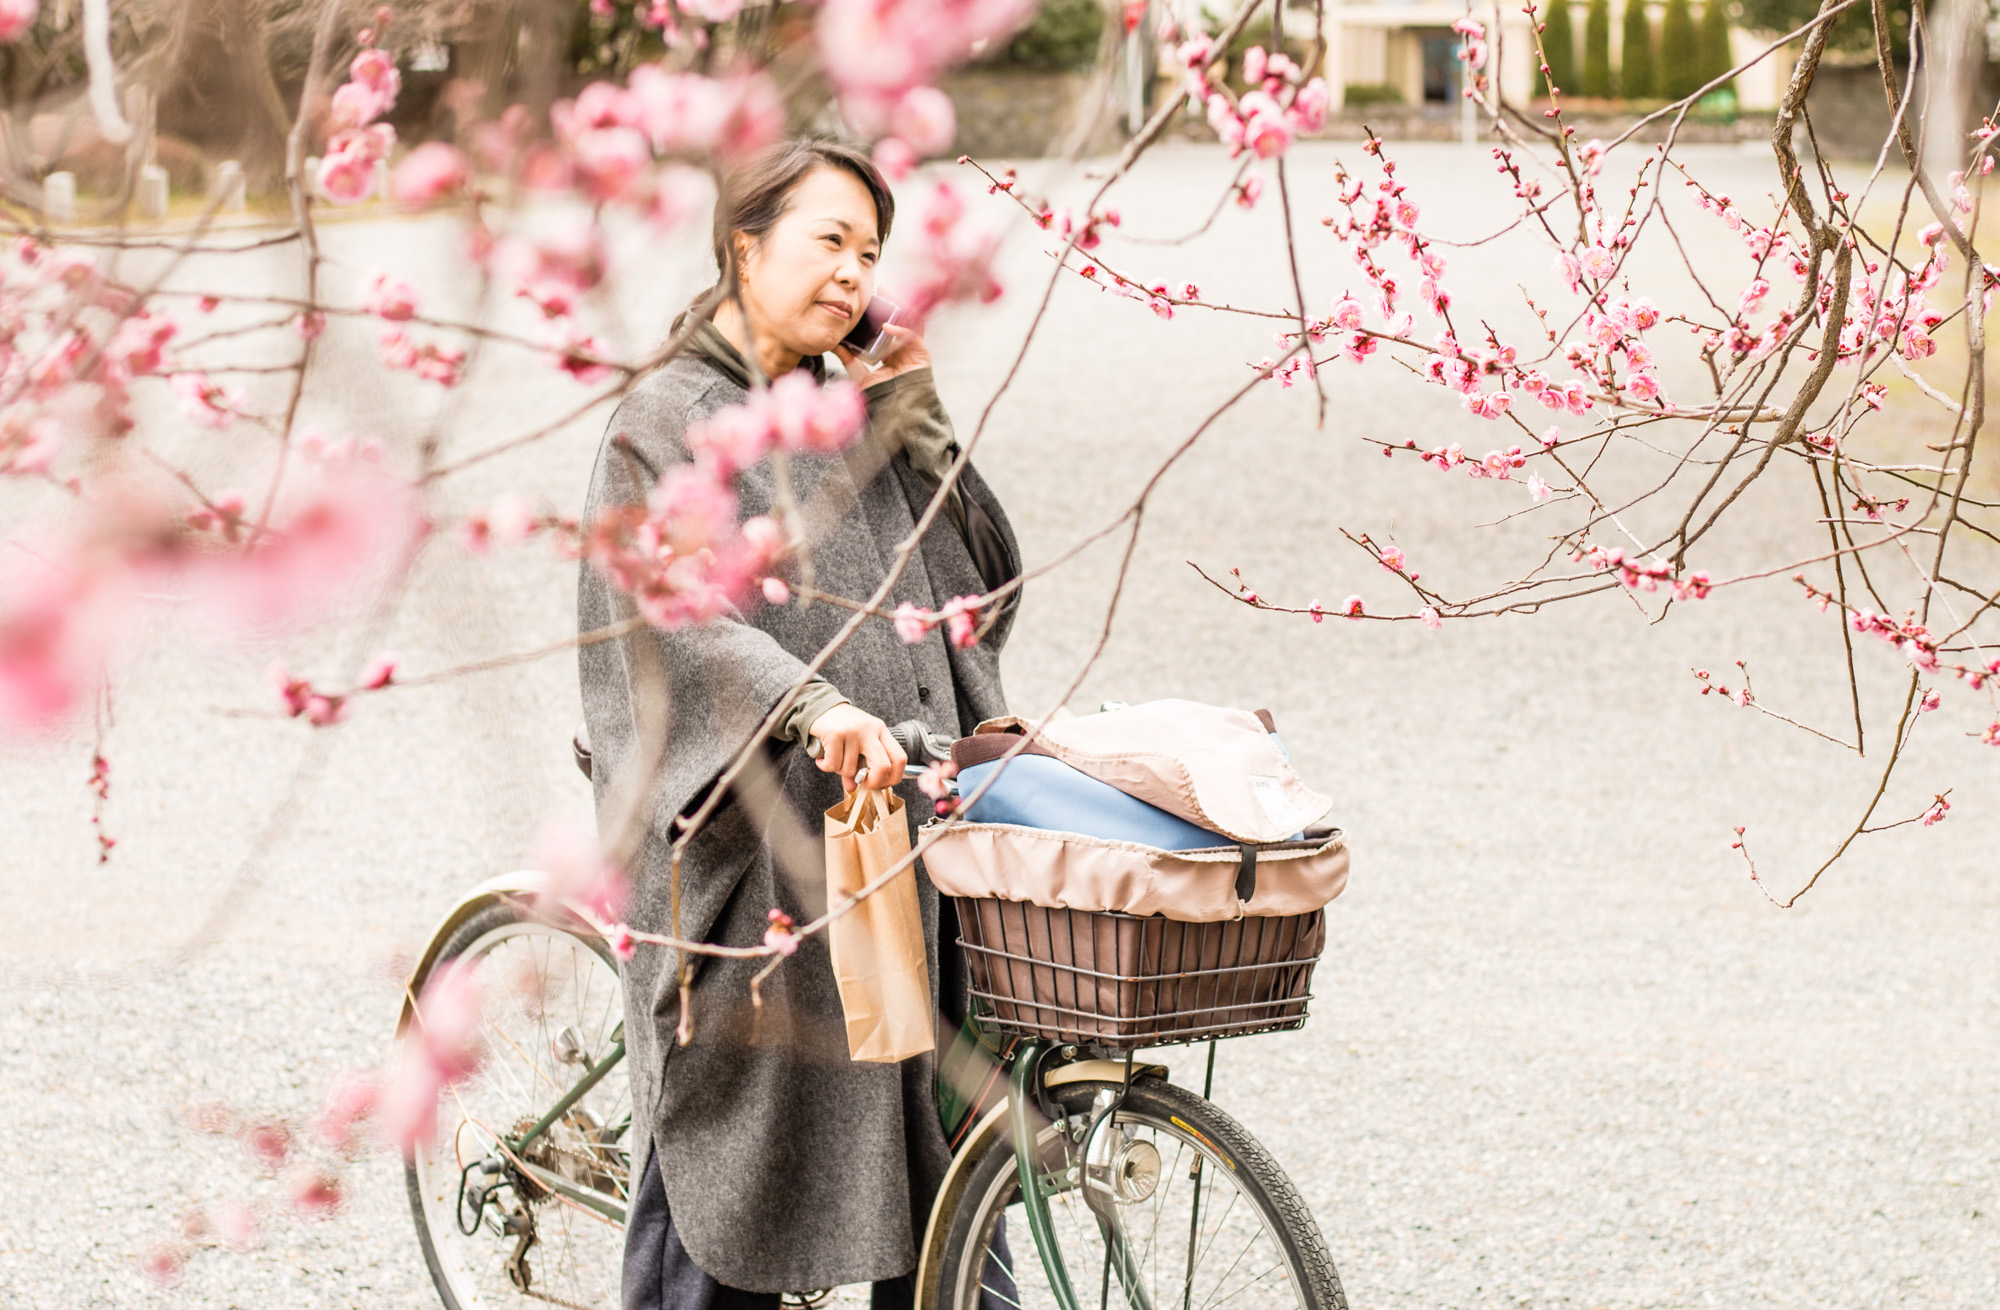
(787, 1166)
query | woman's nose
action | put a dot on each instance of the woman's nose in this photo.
(850, 272)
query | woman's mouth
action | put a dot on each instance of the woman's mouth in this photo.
(837, 308)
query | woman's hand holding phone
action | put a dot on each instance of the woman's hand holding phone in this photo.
(905, 351)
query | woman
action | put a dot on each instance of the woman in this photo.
(764, 1160)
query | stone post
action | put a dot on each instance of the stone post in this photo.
(152, 192)
(231, 189)
(59, 197)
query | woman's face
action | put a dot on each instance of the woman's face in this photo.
(808, 280)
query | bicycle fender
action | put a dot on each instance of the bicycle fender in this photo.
(993, 1127)
(520, 884)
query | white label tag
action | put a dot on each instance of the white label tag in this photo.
(1271, 797)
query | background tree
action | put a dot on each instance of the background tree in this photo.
(1559, 48)
(1854, 29)
(1680, 69)
(1635, 54)
(1597, 49)
(1715, 57)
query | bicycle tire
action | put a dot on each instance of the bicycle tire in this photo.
(446, 1255)
(969, 1259)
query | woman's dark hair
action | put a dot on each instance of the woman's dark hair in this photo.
(757, 192)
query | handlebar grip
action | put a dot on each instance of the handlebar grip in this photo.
(920, 743)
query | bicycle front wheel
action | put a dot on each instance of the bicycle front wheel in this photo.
(1177, 1208)
(509, 1216)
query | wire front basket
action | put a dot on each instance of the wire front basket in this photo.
(1119, 981)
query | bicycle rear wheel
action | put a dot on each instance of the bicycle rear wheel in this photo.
(553, 1009)
(1190, 1214)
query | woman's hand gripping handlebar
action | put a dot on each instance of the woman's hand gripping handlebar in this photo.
(865, 752)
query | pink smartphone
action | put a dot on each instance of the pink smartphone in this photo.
(869, 336)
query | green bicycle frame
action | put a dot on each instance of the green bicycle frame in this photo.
(1036, 1191)
(548, 1178)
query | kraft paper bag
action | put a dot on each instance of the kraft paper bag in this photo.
(878, 946)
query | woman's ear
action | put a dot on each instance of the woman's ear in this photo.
(744, 245)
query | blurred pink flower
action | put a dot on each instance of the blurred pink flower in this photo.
(566, 852)
(692, 508)
(876, 51)
(235, 1223)
(342, 523)
(163, 1262)
(781, 936)
(432, 171)
(925, 118)
(349, 1103)
(206, 401)
(733, 438)
(933, 781)
(138, 345)
(912, 624)
(390, 298)
(316, 1193)
(895, 157)
(269, 1143)
(16, 17)
(441, 1046)
(961, 616)
(347, 172)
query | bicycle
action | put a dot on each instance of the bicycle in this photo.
(1133, 1192)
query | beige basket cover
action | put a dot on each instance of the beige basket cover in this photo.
(1217, 768)
(1066, 870)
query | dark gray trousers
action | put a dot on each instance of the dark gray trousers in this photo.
(661, 1275)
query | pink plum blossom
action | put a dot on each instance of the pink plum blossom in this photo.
(317, 1194)
(349, 1103)
(782, 935)
(933, 781)
(207, 402)
(427, 174)
(441, 1047)
(912, 624)
(895, 157)
(390, 298)
(1431, 619)
(16, 17)
(961, 616)
(341, 523)
(877, 51)
(924, 117)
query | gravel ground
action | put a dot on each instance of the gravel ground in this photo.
(1563, 1052)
